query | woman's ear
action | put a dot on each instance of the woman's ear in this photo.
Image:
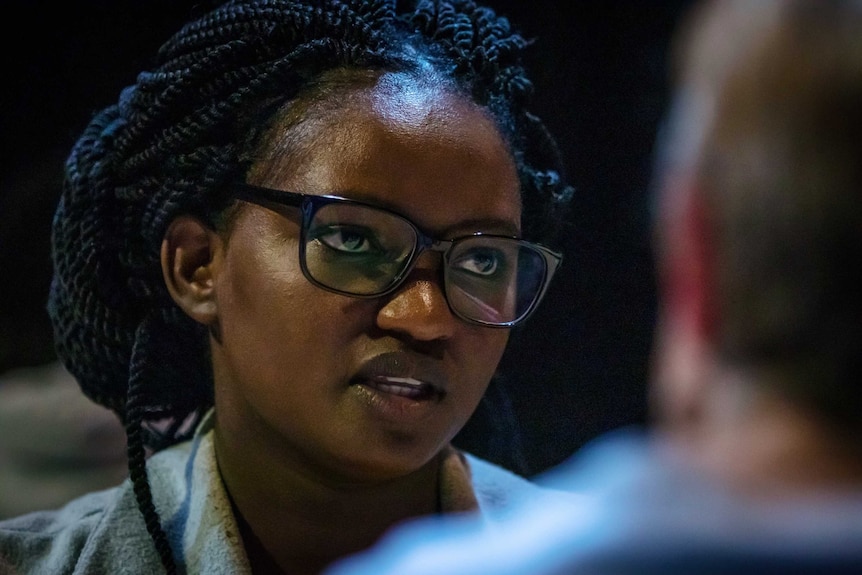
(190, 254)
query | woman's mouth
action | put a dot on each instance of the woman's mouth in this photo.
(400, 387)
(404, 387)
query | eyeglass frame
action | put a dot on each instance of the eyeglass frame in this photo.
(310, 204)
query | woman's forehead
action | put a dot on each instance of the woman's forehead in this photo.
(400, 143)
(395, 109)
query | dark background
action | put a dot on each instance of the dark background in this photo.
(576, 369)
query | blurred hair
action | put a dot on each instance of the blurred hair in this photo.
(769, 121)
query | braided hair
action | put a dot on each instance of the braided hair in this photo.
(184, 130)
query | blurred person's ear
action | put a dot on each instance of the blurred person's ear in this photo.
(189, 265)
(682, 352)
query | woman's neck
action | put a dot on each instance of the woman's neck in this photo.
(297, 522)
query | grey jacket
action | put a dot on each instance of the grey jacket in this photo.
(104, 533)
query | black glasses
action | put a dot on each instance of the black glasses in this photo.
(356, 249)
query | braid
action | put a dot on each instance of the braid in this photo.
(135, 447)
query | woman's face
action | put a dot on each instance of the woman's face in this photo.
(316, 379)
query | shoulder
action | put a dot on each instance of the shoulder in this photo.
(101, 532)
(45, 541)
(500, 491)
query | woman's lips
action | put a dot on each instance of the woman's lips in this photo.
(399, 386)
(403, 374)
(404, 387)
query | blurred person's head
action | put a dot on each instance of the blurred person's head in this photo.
(760, 235)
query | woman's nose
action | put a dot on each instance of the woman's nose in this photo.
(418, 308)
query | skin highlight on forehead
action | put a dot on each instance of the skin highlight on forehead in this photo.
(405, 100)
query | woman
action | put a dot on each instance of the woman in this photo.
(298, 241)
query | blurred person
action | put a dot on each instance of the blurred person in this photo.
(290, 258)
(753, 459)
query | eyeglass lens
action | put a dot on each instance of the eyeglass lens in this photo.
(361, 250)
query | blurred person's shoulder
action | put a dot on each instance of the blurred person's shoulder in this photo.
(501, 492)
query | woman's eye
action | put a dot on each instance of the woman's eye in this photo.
(483, 263)
(347, 240)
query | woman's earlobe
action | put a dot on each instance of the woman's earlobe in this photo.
(189, 257)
